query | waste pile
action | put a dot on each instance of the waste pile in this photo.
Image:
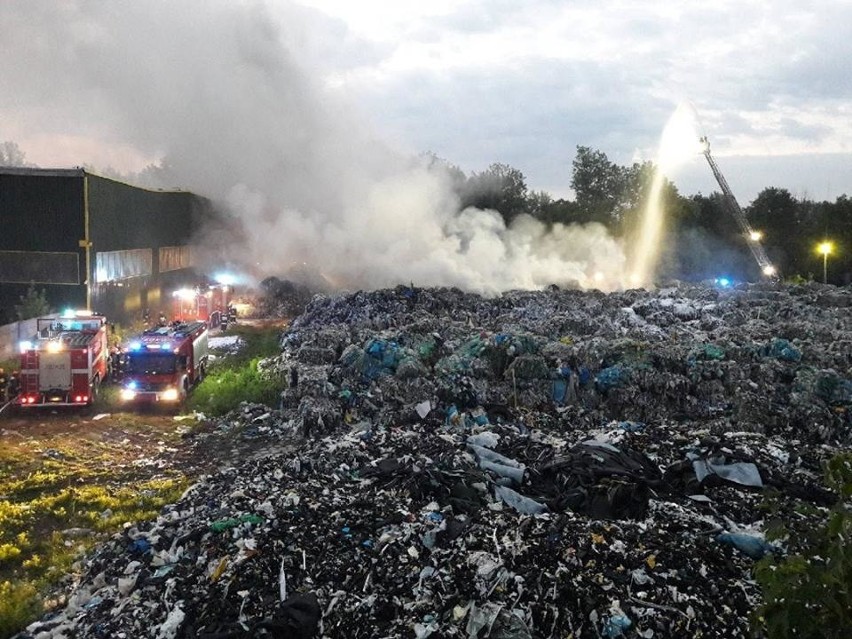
(282, 298)
(539, 464)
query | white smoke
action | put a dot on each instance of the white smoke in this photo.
(222, 91)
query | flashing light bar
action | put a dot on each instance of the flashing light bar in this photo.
(132, 385)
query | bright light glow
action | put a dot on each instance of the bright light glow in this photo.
(825, 248)
(135, 346)
(184, 293)
(769, 271)
(225, 279)
(599, 277)
(128, 394)
(25, 346)
(169, 395)
(54, 346)
(755, 236)
(724, 282)
(165, 346)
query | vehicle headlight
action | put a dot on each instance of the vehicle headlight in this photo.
(170, 394)
(127, 394)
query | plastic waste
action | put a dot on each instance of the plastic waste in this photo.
(743, 473)
(615, 626)
(523, 505)
(749, 545)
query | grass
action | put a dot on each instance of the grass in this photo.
(237, 378)
(69, 472)
(35, 553)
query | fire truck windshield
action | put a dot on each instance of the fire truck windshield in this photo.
(150, 363)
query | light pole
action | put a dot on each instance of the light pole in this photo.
(825, 249)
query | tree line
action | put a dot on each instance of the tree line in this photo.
(703, 239)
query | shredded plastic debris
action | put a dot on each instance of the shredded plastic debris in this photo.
(425, 478)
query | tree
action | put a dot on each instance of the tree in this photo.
(599, 185)
(11, 154)
(33, 304)
(501, 188)
(775, 212)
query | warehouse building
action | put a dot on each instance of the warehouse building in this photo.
(93, 242)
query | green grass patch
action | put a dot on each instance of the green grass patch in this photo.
(258, 342)
(35, 554)
(236, 378)
(224, 389)
(20, 603)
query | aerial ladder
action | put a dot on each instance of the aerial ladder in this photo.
(752, 236)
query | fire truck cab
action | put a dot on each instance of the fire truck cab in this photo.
(64, 363)
(163, 364)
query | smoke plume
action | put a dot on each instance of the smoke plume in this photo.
(228, 94)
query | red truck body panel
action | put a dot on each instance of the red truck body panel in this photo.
(64, 363)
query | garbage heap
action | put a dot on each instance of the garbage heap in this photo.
(539, 464)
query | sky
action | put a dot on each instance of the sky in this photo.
(305, 115)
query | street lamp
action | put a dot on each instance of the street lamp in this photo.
(825, 249)
(755, 236)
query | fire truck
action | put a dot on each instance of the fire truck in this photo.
(64, 363)
(206, 304)
(163, 364)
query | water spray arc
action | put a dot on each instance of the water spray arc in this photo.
(766, 267)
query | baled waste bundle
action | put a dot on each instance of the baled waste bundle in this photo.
(540, 464)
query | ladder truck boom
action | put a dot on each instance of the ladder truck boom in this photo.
(766, 266)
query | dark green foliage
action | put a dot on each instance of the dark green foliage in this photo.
(808, 594)
(33, 304)
(501, 188)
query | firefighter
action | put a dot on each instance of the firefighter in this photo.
(14, 385)
(115, 356)
(4, 386)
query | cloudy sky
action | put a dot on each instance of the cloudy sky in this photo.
(306, 118)
(478, 81)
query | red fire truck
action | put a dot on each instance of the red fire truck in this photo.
(162, 364)
(205, 304)
(64, 363)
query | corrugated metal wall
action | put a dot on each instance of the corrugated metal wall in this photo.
(41, 223)
(43, 210)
